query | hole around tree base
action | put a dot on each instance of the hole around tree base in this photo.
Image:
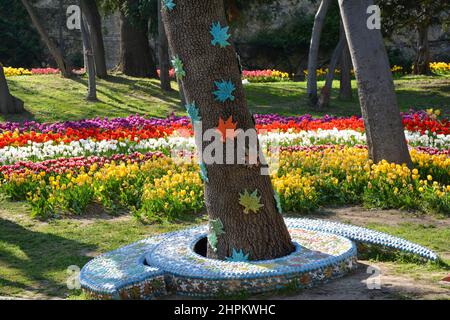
(201, 247)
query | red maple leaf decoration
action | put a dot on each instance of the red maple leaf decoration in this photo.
(227, 128)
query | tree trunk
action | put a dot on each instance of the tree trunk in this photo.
(382, 120)
(52, 47)
(89, 58)
(163, 53)
(92, 15)
(345, 88)
(136, 57)
(325, 95)
(261, 235)
(319, 21)
(8, 103)
(422, 63)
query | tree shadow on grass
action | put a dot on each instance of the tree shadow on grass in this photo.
(35, 256)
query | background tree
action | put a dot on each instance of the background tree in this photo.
(136, 56)
(210, 67)
(20, 44)
(383, 124)
(89, 57)
(163, 53)
(8, 103)
(52, 47)
(319, 21)
(94, 21)
(325, 93)
(345, 88)
(418, 15)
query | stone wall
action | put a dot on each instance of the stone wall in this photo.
(256, 20)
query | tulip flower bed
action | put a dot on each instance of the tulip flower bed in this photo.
(10, 71)
(265, 76)
(127, 163)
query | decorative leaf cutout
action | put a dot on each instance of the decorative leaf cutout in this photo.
(278, 201)
(238, 256)
(212, 240)
(178, 67)
(193, 112)
(169, 4)
(204, 172)
(224, 90)
(220, 35)
(215, 231)
(217, 227)
(250, 202)
(227, 129)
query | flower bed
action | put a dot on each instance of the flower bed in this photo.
(61, 168)
(10, 71)
(265, 76)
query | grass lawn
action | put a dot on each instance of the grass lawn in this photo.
(35, 255)
(53, 98)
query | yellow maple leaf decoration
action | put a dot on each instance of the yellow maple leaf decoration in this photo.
(250, 202)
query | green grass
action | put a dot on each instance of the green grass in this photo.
(35, 255)
(53, 98)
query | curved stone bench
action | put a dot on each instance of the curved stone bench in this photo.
(123, 274)
(318, 257)
(151, 267)
(363, 235)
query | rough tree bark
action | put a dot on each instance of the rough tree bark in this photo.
(262, 235)
(319, 21)
(89, 58)
(92, 15)
(325, 94)
(52, 47)
(345, 88)
(422, 62)
(8, 103)
(136, 58)
(382, 120)
(163, 53)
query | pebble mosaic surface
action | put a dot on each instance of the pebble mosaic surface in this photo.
(167, 263)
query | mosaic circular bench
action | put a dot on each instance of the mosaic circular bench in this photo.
(318, 257)
(168, 263)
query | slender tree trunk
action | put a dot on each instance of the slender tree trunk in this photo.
(261, 235)
(422, 63)
(324, 99)
(136, 58)
(163, 52)
(382, 120)
(8, 103)
(319, 21)
(92, 15)
(345, 88)
(89, 58)
(52, 47)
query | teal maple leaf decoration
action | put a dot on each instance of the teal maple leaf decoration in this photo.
(169, 4)
(220, 35)
(212, 240)
(217, 227)
(193, 112)
(178, 67)
(278, 201)
(250, 202)
(204, 172)
(215, 231)
(237, 256)
(224, 90)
